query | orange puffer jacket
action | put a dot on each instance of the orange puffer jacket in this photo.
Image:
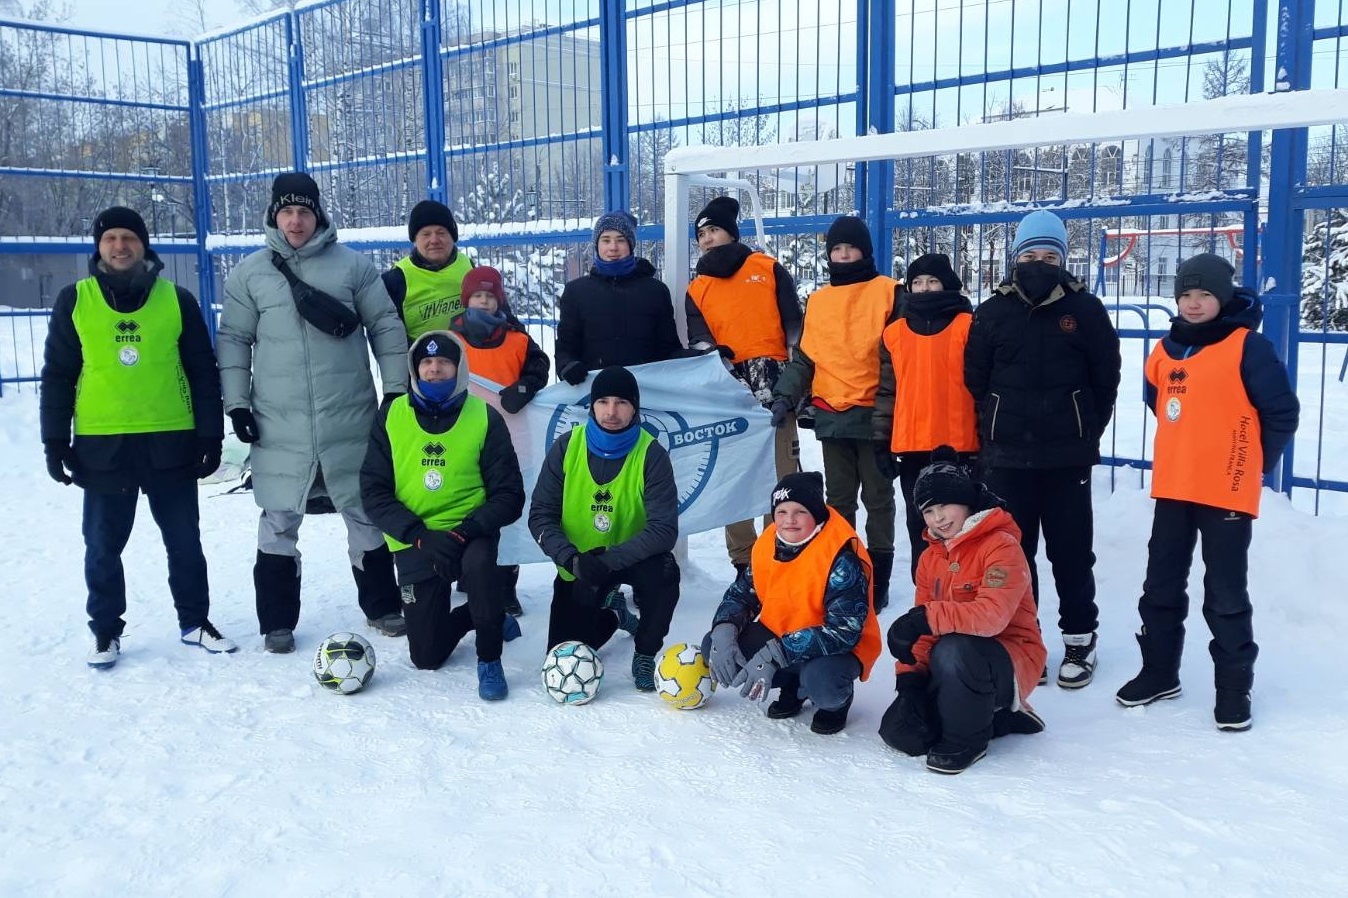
(978, 583)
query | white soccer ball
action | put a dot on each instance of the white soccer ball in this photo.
(344, 663)
(682, 677)
(571, 673)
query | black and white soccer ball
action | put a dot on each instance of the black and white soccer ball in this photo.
(572, 672)
(344, 663)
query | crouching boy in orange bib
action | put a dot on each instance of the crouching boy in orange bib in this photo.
(800, 617)
(969, 652)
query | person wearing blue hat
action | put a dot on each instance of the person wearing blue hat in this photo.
(1042, 362)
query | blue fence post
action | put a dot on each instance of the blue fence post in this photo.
(879, 76)
(299, 107)
(862, 181)
(1287, 172)
(433, 101)
(613, 77)
(201, 191)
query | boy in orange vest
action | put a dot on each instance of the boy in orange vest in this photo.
(800, 617)
(969, 652)
(922, 402)
(499, 349)
(1226, 412)
(836, 364)
(743, 304)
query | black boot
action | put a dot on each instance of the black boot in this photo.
(276, 581)
(510, 578)
(1159, 677)
(1232, 711)
(789, 700)
(378, 593)
(883, 565)
(827, 722)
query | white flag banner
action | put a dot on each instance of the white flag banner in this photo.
(719, 439)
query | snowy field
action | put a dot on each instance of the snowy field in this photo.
(178, 772)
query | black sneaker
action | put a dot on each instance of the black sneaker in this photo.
(512, 606)
(1024, 722)
(391, 624)
(1147, 687)
(1043, 677)
(1233, 710)
(827, 722)
(787, 704)
(279, 642)
(951, 762)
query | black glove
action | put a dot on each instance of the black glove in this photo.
(589, 567)
(60, 456)
(726, 352)
(245, 425)
(208, 458)
(884, 461)
(517, 396)
(574, 374)
(445, 550)
(780, 409)
(908, 723)
(905, 631)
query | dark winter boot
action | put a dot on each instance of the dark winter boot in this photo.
(1232, 712)
(954, 760)
(1025, 722)
(1159, 677)
(883, 564)
(827, 722)
(789, 700)
(510, 578)
(276, 580)
(378, 593)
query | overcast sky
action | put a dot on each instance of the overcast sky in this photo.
(153, 18)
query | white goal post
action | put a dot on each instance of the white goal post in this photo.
(1241, 112)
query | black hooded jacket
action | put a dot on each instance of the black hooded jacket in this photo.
(140, 461)
(927, 314)
(1044, 375)
(624, 321)
(1262, 373)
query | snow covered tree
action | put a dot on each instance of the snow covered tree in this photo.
(1324, 274)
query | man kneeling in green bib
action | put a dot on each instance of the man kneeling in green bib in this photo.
(441, 479)
(606, 510)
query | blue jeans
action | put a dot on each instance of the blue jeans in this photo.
(108, 518)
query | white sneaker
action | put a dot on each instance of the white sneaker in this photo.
(105, 651)
(1078, 663)
(208, 638)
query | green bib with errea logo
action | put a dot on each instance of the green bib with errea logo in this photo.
(437, 476)
(132, 380)
(594, 515)
(433, 297)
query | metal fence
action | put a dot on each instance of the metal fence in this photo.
(530, 118)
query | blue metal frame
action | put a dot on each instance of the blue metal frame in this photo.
(613, 65)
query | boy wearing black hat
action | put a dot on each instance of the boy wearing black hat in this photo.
(969, 652)
(800, 617)
(1224, 413)
(1042, 363)
(836, 363)
(618, 314)
(128, 359)
(922, 401)
(302, 396)
(743, 303)
(426, 286)
(441, 479)
(606, 511)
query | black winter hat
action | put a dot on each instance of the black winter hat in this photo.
(436, 344)
(805, 487)
(945, 482)
(722, 212)
(295, 188)
(1207, 271)
(615, 380)
(120, 217)
(430, 212)
(850, 229)
(935, 265)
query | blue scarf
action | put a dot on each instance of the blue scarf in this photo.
(479, 326)
(619, 269)
(437, 398)
(606, 443)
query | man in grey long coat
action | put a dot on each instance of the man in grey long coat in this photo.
(303, 396)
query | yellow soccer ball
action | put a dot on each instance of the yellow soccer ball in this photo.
(682, 677)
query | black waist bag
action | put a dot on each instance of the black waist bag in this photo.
(329, 315)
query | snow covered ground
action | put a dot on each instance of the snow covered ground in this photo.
(178, 772)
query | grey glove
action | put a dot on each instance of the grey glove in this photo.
(726, 658)
(755, 679)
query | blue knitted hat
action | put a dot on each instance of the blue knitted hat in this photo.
(1040, 229)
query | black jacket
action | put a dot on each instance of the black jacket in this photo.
(723, 262)
(616, 321)
(1044, 376)
(659, 492)
(500, 476)
(1262, 373)
(927, 314)
(128, 462)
